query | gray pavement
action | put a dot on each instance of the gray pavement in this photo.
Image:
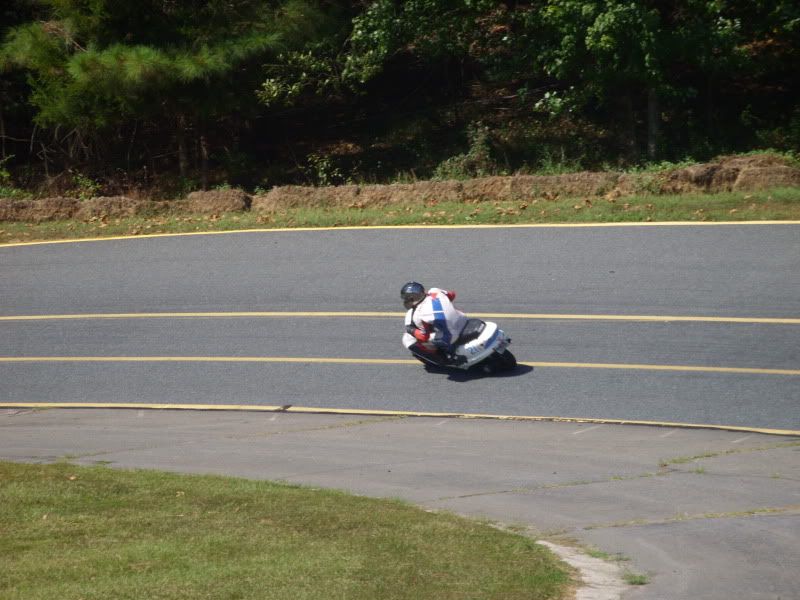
(723, 270)
(730, 270)
(744, 399)
(706, 514)
(703, 513)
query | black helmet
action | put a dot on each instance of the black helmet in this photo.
(412, 294)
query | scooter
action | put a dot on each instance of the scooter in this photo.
(481, 346)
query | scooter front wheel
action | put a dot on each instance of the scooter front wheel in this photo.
(498, 363)
(505, 361)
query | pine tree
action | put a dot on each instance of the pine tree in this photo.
(94, 68)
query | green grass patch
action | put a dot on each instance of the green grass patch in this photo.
(72, 532)
(635, 579)
(602, 555)
(777, 204)
(682, 460)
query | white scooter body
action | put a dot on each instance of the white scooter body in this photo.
(490, 340)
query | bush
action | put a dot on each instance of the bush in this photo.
(477, 162)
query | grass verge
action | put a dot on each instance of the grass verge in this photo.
(776, 204)
(72, 532)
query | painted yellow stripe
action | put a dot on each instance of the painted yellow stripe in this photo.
(635, 367)
(379, 361)
(208, 359)
(404, 227)
(399, 315)
(642, 318)
(203, 315)
(389, 413)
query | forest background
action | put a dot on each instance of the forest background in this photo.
(165, 97)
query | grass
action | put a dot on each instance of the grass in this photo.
(635, 579)
(602, 555)
(682, 460)
(775, 204)
(72, 532)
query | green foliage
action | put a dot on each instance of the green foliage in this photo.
(374, 37)
(612, 46)
(5, 176)
(322, 170)
(83, 186)
(85, 75)
(106, 70)
(476, 162)
(552, 164)
(312, 70)
(7, 187)
(231, 85)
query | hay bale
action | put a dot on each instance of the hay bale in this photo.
(342, 196)
(710, 177)
(752, 161)
(298, 196)
(629, 184)
(287, 196)
(112, 207)
(36, 211)
(759, 178)
(569, 185)
(729, 173)
(385, 195)
(11, 209)
(487, 189)
(439, 191)
(218, 201)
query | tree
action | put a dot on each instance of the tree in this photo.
(99, 67)
(13, 89)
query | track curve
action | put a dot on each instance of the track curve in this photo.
(727, 278)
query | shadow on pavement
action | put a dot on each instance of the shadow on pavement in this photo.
(472, 375)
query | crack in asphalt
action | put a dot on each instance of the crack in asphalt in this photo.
(665, 470)
(687, 459)
(789, 509)
(177, 444)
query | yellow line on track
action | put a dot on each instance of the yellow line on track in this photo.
(398, 315)
(378, 361)
(387, 413)
(407, 227)
(206, 315)
(645, 367)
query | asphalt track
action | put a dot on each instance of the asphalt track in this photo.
(665, 323)
(689, 325)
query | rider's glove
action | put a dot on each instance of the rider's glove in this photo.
(420, 335)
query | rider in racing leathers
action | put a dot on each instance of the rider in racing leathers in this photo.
(433, 321)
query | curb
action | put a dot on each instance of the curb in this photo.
(288, 408)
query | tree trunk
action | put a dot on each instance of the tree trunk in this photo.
(183, 151)
(204, 160)
(630, 126)
(710, 110)
(652, 124)
(2, 133)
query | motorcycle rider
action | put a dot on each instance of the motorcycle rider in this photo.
(434, 322)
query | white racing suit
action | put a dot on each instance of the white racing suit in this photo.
(433, 326)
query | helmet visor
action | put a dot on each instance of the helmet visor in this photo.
(411, 299)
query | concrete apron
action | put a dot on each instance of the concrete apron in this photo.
(699, 513)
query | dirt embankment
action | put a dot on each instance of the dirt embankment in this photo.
(727, 173)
